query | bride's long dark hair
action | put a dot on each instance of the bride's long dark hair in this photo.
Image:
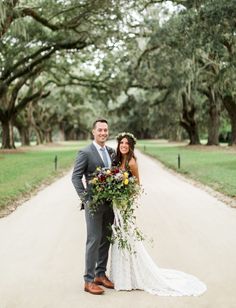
(131, 141)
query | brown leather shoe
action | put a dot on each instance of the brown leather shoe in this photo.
(92, 288)
(104, 281)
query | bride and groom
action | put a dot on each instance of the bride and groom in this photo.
(128, 270)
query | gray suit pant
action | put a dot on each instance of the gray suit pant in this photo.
(97, 245)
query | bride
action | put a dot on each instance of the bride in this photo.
(137, 271)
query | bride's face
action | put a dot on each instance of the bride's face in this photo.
(124, 146)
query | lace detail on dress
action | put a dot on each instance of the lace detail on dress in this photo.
(130, 271)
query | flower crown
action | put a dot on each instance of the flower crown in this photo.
(123, 134)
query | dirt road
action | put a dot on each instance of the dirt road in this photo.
(42, 246)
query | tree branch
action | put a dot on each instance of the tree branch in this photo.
(15, 91)
(160, 101)
(71, 24)
(19, 85)
(73, 77)
(151, 2)
(157, 86)
(36, 96)
(26, 69)
(78, 44)
(5, 24)
(30, 12)
(146, 51)
(22, 61)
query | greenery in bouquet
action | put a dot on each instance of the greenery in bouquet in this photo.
(113, 185)
(120, 190)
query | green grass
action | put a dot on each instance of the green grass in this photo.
(22, 171)
(212, 166)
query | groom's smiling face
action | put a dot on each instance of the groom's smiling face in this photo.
(100, 133)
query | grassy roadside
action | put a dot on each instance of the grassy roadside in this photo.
(24, 170)
(211, 166)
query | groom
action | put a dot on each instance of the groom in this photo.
(98, 224)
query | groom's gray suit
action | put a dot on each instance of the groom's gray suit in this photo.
(98, 224)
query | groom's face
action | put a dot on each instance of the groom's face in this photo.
(100, 133)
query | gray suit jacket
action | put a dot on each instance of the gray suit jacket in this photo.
(88, 159)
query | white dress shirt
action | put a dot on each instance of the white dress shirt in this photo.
(98, 147)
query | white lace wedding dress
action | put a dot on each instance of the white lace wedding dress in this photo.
(137, 271)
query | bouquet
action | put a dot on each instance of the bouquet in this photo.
(113, 185)
(120, 190)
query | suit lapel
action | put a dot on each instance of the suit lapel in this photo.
(97, 156)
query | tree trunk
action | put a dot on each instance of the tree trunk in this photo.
(48, 136)
(11, 134)
(233, 133)
(176, 135)
(192, 133)
(7, 134)
(24, 131)
(62, 131)
(24, 136)
(230, 106)
(188, 120)
(213, 124)
(39, 135)
(70, 134)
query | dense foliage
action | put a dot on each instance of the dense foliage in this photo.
(156, 68)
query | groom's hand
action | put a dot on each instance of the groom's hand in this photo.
(83, 204)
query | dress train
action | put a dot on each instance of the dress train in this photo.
(137, 271)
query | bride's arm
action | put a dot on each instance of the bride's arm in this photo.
(134, 168)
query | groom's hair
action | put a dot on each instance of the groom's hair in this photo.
(99, 120)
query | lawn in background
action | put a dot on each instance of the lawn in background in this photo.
(212, 166)
(25, 169)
